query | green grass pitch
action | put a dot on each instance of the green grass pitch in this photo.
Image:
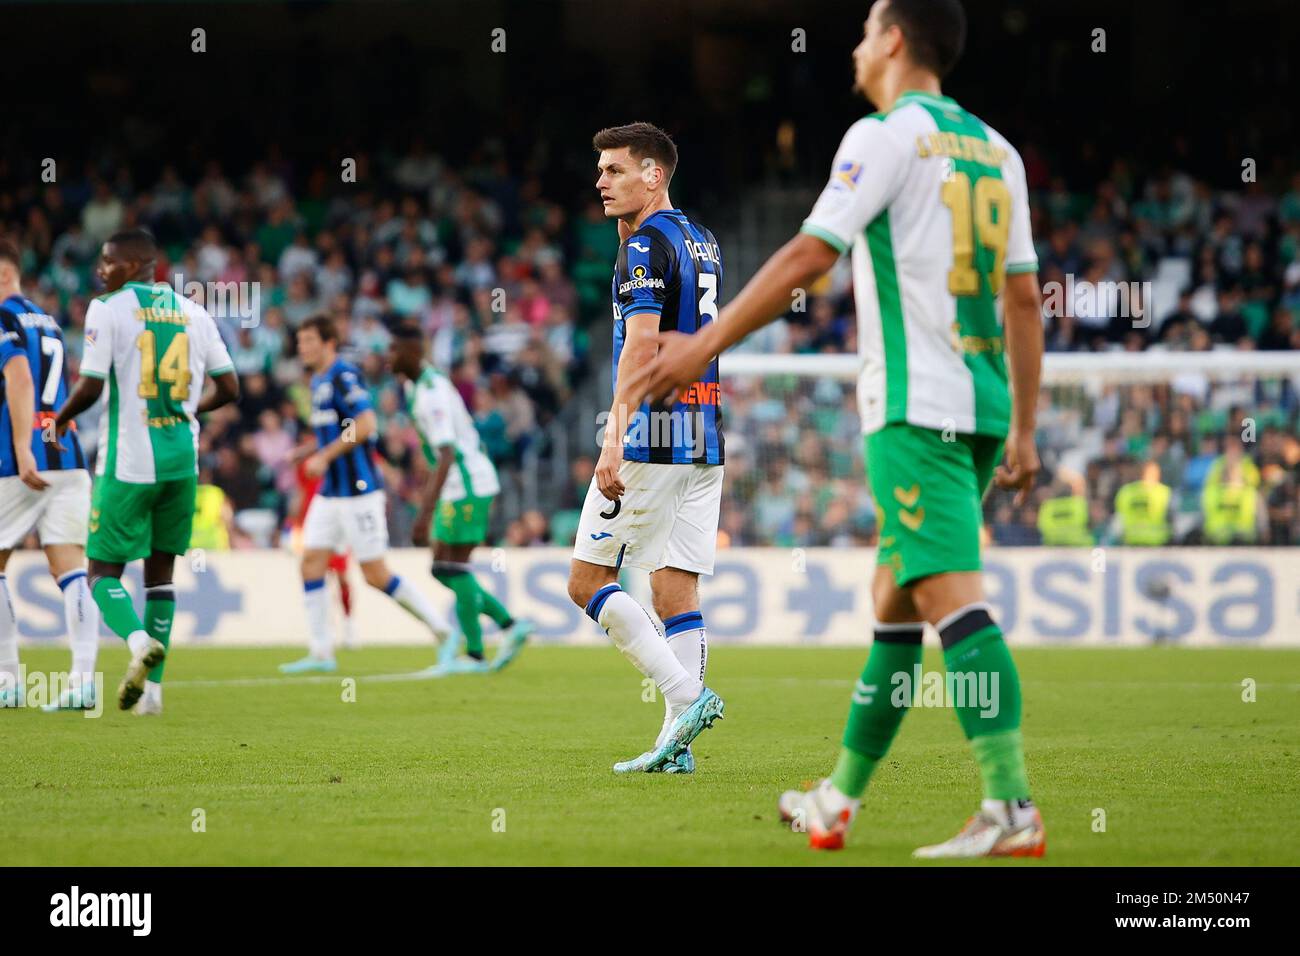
(515, 768)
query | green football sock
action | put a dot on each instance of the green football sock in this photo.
(878, 708)
(986, 695)
(468, 607)
(116, 608)
(493, 608)
(159, 609)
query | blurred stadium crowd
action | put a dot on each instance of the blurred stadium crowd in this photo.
(504, 281)
(512, 288)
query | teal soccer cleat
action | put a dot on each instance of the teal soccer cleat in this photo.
(689, 724)
(636, 764)
(307, 665)
(513, 643)
(684, 763)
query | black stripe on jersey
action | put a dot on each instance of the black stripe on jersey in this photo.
(9, 323)
(52, 457)
(663, 251)
(349, 465)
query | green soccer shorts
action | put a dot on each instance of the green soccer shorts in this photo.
(929, 498)
(464, 521)
(130, 521)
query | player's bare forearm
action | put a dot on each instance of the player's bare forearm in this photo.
(639, 349)
(768, 294)
(83, 396)
(363, 426)
(20, 392)
(225, 391)
(1022, 322)
(437, 479)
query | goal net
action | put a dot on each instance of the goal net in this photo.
(795, 475)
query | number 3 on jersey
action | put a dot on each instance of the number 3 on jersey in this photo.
(991, 224)
(174, 368)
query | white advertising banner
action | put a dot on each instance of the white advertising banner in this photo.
(1237, 597)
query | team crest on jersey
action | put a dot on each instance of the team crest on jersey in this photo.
(846, 175)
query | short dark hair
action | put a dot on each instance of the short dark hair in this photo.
(324, 327)
(9, 252)
(935, 31)
(408, 332)
(138, 243)
(642, 140)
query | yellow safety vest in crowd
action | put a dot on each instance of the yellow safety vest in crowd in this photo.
(1229, 513)
(209, 531)
(1063, 522)
(1143, 508)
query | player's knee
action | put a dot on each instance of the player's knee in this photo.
(377, 575)
(580, 591)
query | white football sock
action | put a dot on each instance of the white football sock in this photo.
(320, 640)
(1010, 812)
(81, 618)
(686, 637)
(833, 802)
(415, 604)
(633, 632)
(8, 639)
(138, 642)
(153, 692)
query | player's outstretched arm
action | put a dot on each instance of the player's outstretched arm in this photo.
(20, 396)
(1022, 327)
(226, 390)
(682, 359)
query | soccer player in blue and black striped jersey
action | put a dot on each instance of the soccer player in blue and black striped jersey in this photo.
(44, 484)
(654, 500)
(350, 510)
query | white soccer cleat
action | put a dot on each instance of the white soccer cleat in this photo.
(150, 704)
(814, 812)
(147, 707)
(986, 835)
(137, 672)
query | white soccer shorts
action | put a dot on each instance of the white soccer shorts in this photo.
(359, 522)
(59, 513)
(667, 518)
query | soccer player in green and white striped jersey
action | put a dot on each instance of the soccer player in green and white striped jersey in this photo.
(147, 352)
(933, 204)
(457, 497)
